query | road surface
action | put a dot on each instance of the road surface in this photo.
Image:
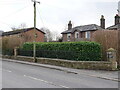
(16, 75)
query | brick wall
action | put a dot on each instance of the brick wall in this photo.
(81, 36)
(64, 37)
(30, 34)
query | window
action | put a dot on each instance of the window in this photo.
(68, 37)
(76, 34)
(87, 34)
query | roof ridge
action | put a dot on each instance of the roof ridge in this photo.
(113, 26)
(20, 31)
(84, 28)
(96, 26)
(86, 25)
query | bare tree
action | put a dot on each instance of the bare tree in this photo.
(14, 28)
(59, 38)
(48, 35)
(21, 26)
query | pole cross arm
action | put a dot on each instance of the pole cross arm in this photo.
(35, 1)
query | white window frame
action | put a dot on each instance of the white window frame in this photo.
(76, 34)
(87, 34)
(68, 37)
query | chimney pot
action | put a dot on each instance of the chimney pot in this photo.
(102, 22)
(117, 19)
(69, 25)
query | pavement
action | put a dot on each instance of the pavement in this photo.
(102, 74)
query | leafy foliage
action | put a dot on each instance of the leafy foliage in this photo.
(80, 51)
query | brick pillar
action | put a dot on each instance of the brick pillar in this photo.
(111, 56)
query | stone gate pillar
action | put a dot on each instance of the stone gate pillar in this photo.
(15, 51)
(111, 56)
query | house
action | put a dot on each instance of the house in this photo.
(27, 34)
(84, 32)
(116, 26)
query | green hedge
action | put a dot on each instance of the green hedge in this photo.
(81, 51)
(9, 52)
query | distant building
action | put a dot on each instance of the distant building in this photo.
(27, 34)
(117, 23)
(84, 32)
(116, 26)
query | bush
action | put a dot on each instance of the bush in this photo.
(9, 52)
(81, 51)
(8, 44)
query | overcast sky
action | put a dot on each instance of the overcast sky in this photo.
(55, 14)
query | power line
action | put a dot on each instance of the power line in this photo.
(8, 25)
(41, 18)
(11, 3)
(13, 13)
(15, 1)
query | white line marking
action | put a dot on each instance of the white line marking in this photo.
(45, 81)
(6, 70)
(63, 86)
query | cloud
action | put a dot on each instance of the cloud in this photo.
(56, 13)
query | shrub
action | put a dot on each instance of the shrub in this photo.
(9, 52)
(81, 51)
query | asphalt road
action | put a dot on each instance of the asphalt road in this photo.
(15, 75)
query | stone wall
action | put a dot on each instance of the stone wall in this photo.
(93, 65)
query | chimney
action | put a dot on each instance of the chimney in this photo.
(69, 25)
(117, 19)
(102, 22)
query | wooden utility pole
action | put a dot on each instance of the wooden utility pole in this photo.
(118, 48)
(34, 45)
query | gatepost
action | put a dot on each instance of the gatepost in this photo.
(111, 56)
(15, 52)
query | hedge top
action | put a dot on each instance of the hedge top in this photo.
(73, 46)
(85, 51)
